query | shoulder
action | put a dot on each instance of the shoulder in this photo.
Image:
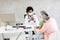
(25, 15)
(52, 19)
(34, 13)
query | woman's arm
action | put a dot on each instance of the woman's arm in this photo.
(42, 29)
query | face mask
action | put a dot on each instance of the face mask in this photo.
(30, 13)
(31, 21)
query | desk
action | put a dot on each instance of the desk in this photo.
(15, 34)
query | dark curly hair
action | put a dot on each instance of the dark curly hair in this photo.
(29, 8)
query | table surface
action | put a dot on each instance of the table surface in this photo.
(13, 33)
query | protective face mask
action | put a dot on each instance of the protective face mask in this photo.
(30, 13)
(31, 21)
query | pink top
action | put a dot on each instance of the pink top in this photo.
(49, 27)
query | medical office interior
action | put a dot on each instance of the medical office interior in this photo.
(12, 18)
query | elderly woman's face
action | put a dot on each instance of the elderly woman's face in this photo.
(41, 16)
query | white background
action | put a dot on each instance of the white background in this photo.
(52, 7)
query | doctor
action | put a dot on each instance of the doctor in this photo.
(31, 19)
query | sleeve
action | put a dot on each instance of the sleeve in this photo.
(42, 23)
(24, 16)
(26, 20)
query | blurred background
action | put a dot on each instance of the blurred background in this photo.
(12, 11)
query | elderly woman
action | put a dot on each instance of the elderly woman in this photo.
(49, 26)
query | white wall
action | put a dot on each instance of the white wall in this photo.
(18, 7)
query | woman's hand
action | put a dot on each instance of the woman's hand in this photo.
(37, 27)
(37, 30)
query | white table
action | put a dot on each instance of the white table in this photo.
(14, 34)
(11, 33)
